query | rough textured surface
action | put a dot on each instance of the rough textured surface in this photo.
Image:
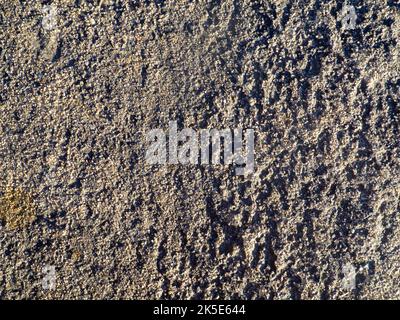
(79, 93)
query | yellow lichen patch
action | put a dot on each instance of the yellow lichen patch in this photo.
(16, 208)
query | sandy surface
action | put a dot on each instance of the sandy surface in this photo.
(84, 82)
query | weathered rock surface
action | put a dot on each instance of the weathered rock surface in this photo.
(82, 84)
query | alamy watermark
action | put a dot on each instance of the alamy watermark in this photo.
(49, 21)
(204, 147)
(49, 278)
(349, 276)
(348, 17)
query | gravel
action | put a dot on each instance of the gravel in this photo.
(84, 81)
